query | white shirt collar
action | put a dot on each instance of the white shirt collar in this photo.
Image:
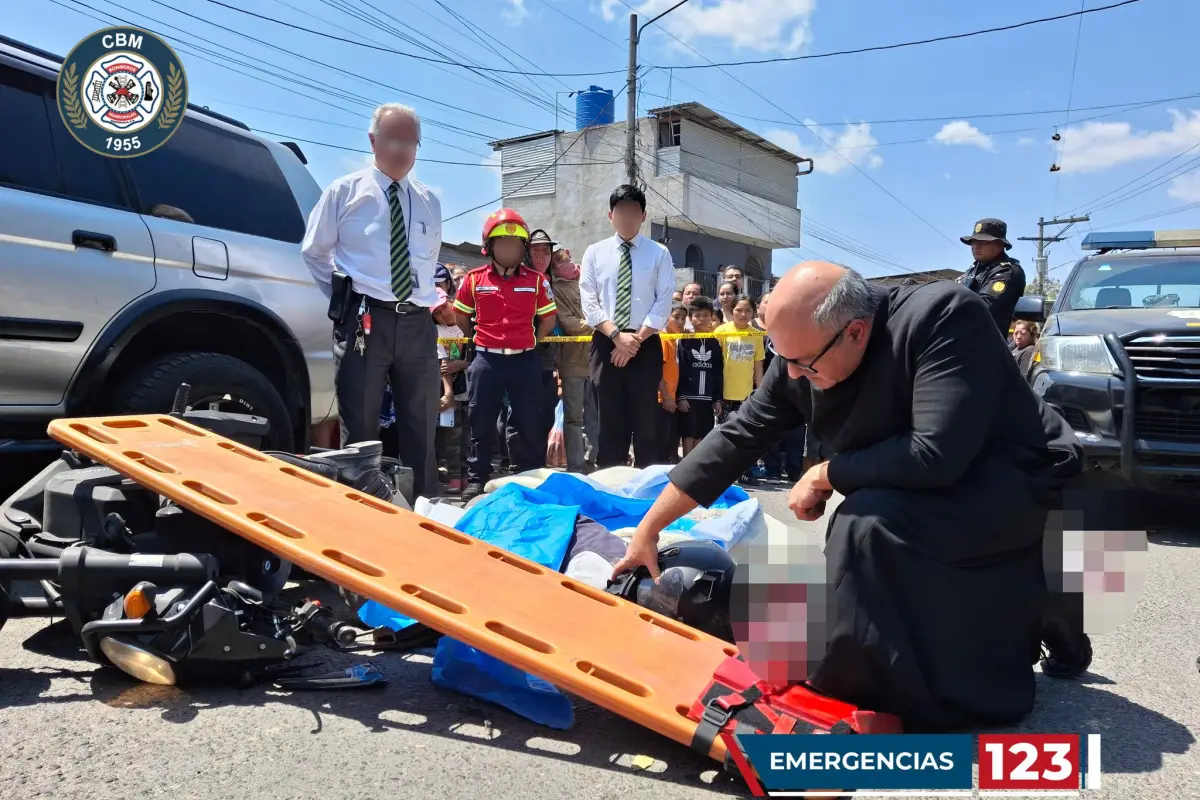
(634, 242)
(384, 181)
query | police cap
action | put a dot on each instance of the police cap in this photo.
(989, 230)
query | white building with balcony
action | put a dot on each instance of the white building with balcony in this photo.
(716, 192)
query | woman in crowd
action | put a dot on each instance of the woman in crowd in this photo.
(727, 295)
(1024, 343)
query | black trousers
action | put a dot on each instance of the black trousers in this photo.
(402, 349)
(512, 439)
(489, 377)
(627, 398)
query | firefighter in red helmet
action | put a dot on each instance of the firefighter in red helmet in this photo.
(504, 308)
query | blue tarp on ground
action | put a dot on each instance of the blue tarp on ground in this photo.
(538, 524)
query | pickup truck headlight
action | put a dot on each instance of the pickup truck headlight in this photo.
(1086, 354)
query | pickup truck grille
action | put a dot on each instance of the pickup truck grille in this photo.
(1165, 356)
(1168, 415)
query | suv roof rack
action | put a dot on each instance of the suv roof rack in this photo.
(1140, 240)
(40, 53)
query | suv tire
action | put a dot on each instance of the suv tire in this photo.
(151, 390)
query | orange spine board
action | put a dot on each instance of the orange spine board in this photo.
(646, 667)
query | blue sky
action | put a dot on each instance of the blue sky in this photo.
(941, 171)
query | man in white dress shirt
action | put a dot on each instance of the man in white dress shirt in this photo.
(627, 285)
(383, 230)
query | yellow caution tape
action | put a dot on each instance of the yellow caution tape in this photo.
(588, 338)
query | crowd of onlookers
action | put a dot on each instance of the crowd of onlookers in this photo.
(624, 393)
(705, 378)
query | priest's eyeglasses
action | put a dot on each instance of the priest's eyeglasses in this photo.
(811, 366)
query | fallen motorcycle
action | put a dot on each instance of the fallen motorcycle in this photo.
(162, 593)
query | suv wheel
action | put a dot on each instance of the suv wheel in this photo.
(219, 383)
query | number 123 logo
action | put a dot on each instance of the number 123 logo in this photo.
(1029, 761)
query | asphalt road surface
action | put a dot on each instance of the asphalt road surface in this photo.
(68, 730)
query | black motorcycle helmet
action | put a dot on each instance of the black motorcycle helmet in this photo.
(694, 586)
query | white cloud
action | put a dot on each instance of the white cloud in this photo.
(947, 176)
(1186, 187)
(1096, 146)
(514, 12)
(854, 142)
(1025, 141)
(963, 132)
(764, 25)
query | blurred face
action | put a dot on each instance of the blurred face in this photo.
(395, 145)
(539, 254)
(627, 218)
(677, 297)
(726, 295)
(444, 315)
(691, 292)
(762, 309)
(743, 312)
(734, 276)
(702, 320)
(823, 356)
(458, 273)
(1022, 336)
(676, 320)
(986, 251)
(508, 251)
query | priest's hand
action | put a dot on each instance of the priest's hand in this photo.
(641, 552)
(808, 496)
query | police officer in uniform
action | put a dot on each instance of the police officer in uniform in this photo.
(504, 308)
(995, 276)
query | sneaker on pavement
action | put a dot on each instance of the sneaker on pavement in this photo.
(472, 491)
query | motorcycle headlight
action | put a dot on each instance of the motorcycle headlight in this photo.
(138, 661)
(1086, 354)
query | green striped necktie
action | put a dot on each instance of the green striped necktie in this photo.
(625, 288)
(401, 265)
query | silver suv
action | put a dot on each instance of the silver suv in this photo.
(123, 278)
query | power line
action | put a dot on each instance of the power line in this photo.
(899, 45)
(710, 64)
(1070, 97)
(288, 75)
(1164, 213)
(323, 64)
(579, 137)
(1120, 106)
(424, 41)
(1179, 171)
(1091, 204)
(426, 59)
(290, 138)
(814, 134)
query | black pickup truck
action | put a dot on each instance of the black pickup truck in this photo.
(1119, 357)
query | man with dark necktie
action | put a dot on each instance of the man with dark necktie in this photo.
(626, 286)
(382, 230)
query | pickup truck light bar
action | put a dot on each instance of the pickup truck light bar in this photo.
(1140, 240)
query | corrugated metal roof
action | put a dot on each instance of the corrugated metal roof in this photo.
(705, 115)
(529, 137)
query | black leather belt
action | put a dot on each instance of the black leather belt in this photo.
(391, 305)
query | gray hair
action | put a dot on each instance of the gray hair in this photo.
(397, 108)
(850, 298)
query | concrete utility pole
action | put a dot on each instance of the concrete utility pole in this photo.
(1042, 239)
(635, 35)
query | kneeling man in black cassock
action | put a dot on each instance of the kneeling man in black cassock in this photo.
(949, 465)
